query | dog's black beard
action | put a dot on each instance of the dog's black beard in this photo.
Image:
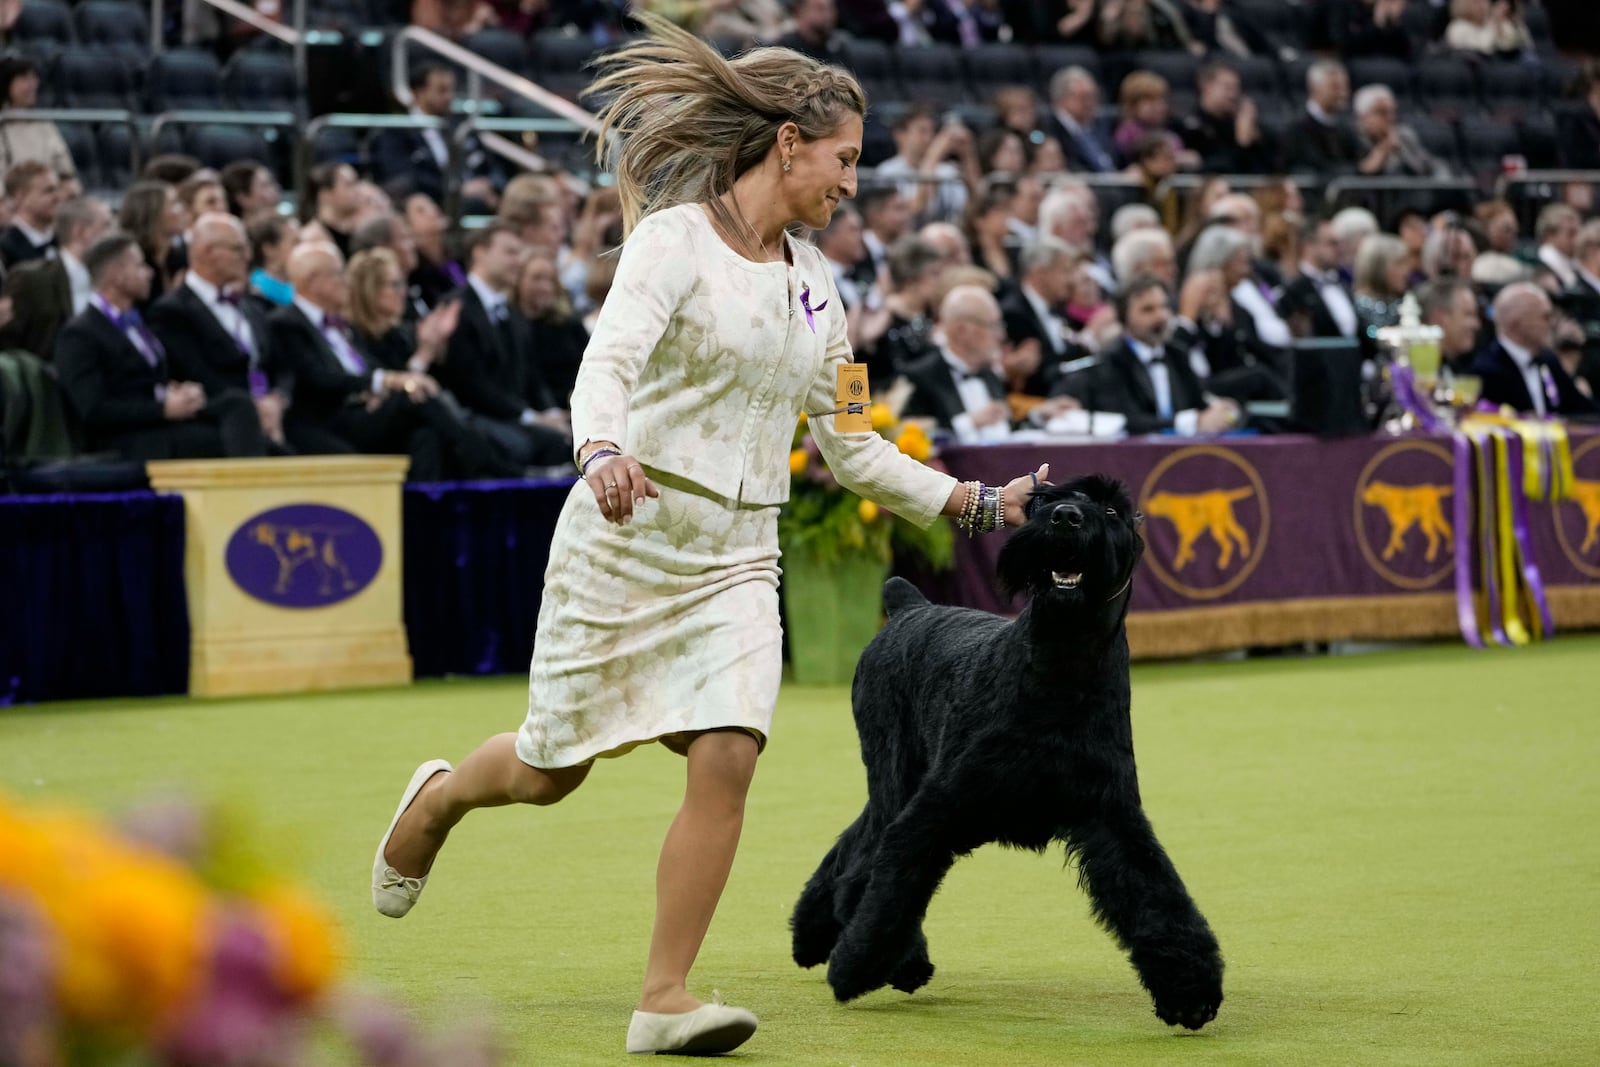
(1074, 558)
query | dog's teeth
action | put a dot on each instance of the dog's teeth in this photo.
(1066, 581)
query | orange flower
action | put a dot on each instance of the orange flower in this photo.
(882, 417)
(802, 418)
(914, 443)
(868, 511)
(305, 947)
(798, 461)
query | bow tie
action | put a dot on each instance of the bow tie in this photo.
(128, 320)
(969, 375)
(230, 297)
(335, 323)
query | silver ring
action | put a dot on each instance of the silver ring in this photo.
(610, 486)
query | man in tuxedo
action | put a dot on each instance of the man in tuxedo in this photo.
(46, 293)
(116, 375)
(1153, 388)
(1518, 368)
(212, 334)
(958, 385)
(340, 402)
(1321, 142)
(1452, 305)
(814, 34)
(489, 364)
(1039, 339)
(1074, 107)
(419, 159)
(1224, 129)
(1318, 303)
(35, 193)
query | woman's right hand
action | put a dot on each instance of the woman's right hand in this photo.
(619, 485)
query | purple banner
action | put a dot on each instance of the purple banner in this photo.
(1245, 520)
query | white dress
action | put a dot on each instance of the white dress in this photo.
(699, 366)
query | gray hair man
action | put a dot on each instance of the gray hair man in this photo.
(1518, 368)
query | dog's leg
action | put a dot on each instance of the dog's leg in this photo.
(1138, 896)
(883, 939)
(816, 921)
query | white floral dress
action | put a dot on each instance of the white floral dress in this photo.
(699, 364)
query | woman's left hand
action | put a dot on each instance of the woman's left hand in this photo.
(1017, 492)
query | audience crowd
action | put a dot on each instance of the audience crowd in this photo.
(1042, 274)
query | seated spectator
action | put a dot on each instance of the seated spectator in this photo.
(1224, 131)
(215, 337)
(418, 160)
(813, 32)
(1002, 151)
(1452, 305)
(1383, 271)
(1488, 27)
(1197, 210)
(1038, 338)
(948, 240)
(1556, 230)
(1254, 291)
(1579, 126)
(487, 364)
(1145, 25)
(1152, 386)
(1052, 21)
(202, 194)
(1130, 217)
(1143, 105)
(1321, 142)
(957, 22)
(1448, 251)
(885, 218)
(1228, 331)
(1351, 228)
(557, 335)
(841, 244)
(377, 323)
(33, 140)
(1071, 212)
(899, 333)
(155, 217)
(1387, 146)
(1518, 368)
(390, 231)
(1145, 253)
(334, 207)
(253, 192)
(45, 294)
(921, 150)
(1318, 303)
(959, 386)
(1280, 247)
(1016, 108)
(1586, 264)
(342, 402)
(272, 238)
(1219, 30)
(988, 233)
(1074, 121)
(1153, 163)
(36, 194)
(454, 19)
(1368, 28)
(116, 376)
(436, 272)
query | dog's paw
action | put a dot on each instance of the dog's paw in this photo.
(856, 969)
(1189, 1001)
(1192, 1016)
(812, 947)
(912, 974)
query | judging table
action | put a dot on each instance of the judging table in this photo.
(1279, 540)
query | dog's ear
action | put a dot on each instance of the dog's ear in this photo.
(1014, 573)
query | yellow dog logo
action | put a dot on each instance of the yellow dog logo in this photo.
(1193, 514)
(1587, 496)
(1412, 505)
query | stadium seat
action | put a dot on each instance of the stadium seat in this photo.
(1447, 85)
(110, 22)
(1424, 22)
(869, 60)
(262, 80)
(1536, 129)
(1485, 143)
(559, 63)
(1438, 136)
(219, 145)
(1050, 58)
(501, 47)
(43, 28)
(1537, 20)
(1285, 22)
(1511, 83)
(338, 15)
(995, 66)
(1381, 70)
(1179, 68)
(93, 77)
(184, 78)
(932, 72)
(79, 139)
(114, 143)
(1260, 76)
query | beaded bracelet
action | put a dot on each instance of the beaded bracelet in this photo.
(592, 456)
(984, 510)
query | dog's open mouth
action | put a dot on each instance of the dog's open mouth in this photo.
(1065, 580)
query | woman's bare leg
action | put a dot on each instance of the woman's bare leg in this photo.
(491, 777)
(694, 865)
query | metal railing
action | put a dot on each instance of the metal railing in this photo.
(1507, 182)
(305, 150)
(489, 129)
(278, 120)
(293, 35)
(478, 71)
(85, 115)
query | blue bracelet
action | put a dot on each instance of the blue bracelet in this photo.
(596, 454)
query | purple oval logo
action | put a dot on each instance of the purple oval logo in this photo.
(304, 556)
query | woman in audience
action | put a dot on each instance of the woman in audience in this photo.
(558, 334)
(377, 316)
(1198, 208)
(987, 227)
(1487, 28)
(1145, 25)
(202, 194)
(155, 217)
(1002, 151)
(1016, 107)
(272, 238)
(1383, 268)
(1144, 107)
(253, 191)
(19, 90)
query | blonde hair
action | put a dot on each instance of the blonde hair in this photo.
(1378, 253)
(681, 122)
(560, 309)
(1138, 87)
(365, 275)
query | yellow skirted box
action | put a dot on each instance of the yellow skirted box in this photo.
(293, 568)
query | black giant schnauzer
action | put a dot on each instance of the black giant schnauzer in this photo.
(975, 729)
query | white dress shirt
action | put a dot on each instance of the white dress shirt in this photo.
(434, 139)
(975, 397)
(1561, 265)
(1183, 422)
(1530, 374)
(1270, 326)
(37, 238)
(77, 281)
(1335, 297)
(228, 315)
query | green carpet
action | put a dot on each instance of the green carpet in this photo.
(1397, 852)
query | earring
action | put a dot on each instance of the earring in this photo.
(786, 166)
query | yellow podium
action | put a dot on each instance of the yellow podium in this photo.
(294, 572)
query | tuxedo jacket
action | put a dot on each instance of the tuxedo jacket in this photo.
(41, 303)
(1303, 298)
(935, 393)
(489, 366)
(1122, 384)
(403, 157)
(202, 350)
(1319, 149)
(110, 384)
(1023, 324)
(15, 248)
(1503, 382)
(1075, 149)
(321, 385)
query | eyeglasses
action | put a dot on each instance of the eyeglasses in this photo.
(992, 325)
